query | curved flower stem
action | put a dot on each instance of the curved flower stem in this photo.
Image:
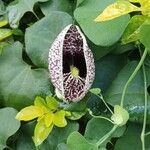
(9, 148)
(36, 15)
(102, 117)
(37, 148)
(145, 109)
(105, 137)
(132, 76)
(101, 97)
(148, 133)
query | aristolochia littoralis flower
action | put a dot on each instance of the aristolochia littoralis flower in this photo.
(71, 64)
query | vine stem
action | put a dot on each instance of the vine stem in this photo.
(101, 117)
(145, 109)
(132, 76)
(148, 133)
(37, 148)
(36, 15)
(105, 137)
(101, 97)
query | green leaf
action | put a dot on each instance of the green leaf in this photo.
(2, 45)
(76, 115)
(117, 9)
(132, 31)
(9, 125)
(40, 36)
(62, 146)
(79, 2)
(59, 135)
(21, 84)
(100, 51)
(16, 11)
(145, 36)
(131, 139)
(2, 8)
(41, 132)
(134, 97)
(107, 69)
(56, 5)
(25, 141)
(102, 148)
(97, 128)
(76, 141)
(77, 107)
(4, 33)
(104, 34)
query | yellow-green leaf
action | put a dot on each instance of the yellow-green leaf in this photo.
(59, 119)
(29, 113)
(41, 132)
(95, 91)
(3, 23)
(76, 115)
(52, 103)
(67, 113)
(145, 5)
(48, 118)
(135, 1)
(120, 116)
(132, 32)
(2, 46)
(40, 102)
(4, 33)
(117, 9)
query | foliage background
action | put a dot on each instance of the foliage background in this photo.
(24, 44)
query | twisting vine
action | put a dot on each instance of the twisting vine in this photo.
(113, 118)
(145, 108)
(132, 76)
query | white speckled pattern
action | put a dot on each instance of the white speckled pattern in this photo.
(73, 89)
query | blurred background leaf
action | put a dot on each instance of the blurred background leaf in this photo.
(20, 84)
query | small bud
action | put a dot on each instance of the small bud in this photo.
(120, 116)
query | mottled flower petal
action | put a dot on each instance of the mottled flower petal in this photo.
(71, 64)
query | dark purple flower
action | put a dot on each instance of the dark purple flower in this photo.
(71, 64)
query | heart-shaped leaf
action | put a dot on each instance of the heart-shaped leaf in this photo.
(19, 83)
(56, 5)
(40, 36)
(134, 97)
(97, 128)
(104, 34)
(9, 125)
(16, 11)
(77, 142)
(131, 139)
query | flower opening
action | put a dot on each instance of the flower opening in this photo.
(71, 64)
